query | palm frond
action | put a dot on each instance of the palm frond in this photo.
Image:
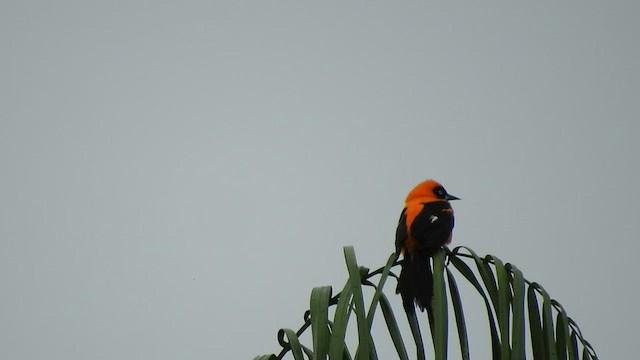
(503, 288)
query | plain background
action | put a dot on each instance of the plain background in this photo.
(177, 176)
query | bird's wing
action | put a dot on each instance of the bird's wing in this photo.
(401, 231)
(432, 226)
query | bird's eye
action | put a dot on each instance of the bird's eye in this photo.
(440, 192)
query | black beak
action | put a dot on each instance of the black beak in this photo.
(451, 197)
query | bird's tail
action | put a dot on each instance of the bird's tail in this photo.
(415, 284)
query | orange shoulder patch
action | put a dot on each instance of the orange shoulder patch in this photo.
(412, 211)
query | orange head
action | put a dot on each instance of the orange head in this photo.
(428, 191)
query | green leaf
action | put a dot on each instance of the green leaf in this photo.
(518, 350)
(503, 301)
(547, 323)
(486, 275)
(340, 322)
(308, 352)
(373, 354)
(392, 326)
(586, 345)
(573, 347)
(561, 340)
(562, 331)
(535, 325)
(547, 332)
(378, 293)
(294, 343)
(589, 348)
(320, 297)
(417, 337)
(466, 271)
(364, 346)
(503, 292)
(265, 357)
(346, 355)
(459, 314)
(440, 306)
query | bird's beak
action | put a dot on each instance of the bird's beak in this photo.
(451, 197)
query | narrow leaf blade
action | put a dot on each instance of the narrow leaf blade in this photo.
(319, 308)
(466, 271)
(459, 314)
(440, 313)
(518, 350)
(294, 344)
(392, 326)
(417, 336)
(364, 345)
(340, 322)
(378, 293)
(535, 325)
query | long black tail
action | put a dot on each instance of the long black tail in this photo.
(416, 282)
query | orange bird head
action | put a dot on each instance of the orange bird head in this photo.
(428, 191)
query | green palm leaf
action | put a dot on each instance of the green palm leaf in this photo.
(503, 288)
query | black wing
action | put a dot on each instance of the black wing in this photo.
(432, 226)
(401, 231)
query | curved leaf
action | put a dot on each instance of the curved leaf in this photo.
(466, 271)
(392, 325)
(535, 325)
(585, 343)
(320, 297)
(503, 301)
(547, 323)
(358, 300)
(459, 314)
(503, 291)
(562, 331)
(518, 350)
(294, 343)
(590, 350)
(573, 347)
(486, 275)
(340, 322)
(548, 338)
(378, 293)
(265, 357)
(440, 313)
(561, 340)
(417, 337)
(308, 352)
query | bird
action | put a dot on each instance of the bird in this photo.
(425, 225)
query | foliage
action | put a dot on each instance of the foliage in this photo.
(503, 288)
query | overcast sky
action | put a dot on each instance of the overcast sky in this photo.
(177, 176)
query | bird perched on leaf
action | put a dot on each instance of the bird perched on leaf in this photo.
(425, 225)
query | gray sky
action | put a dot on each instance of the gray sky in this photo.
(177, 176)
